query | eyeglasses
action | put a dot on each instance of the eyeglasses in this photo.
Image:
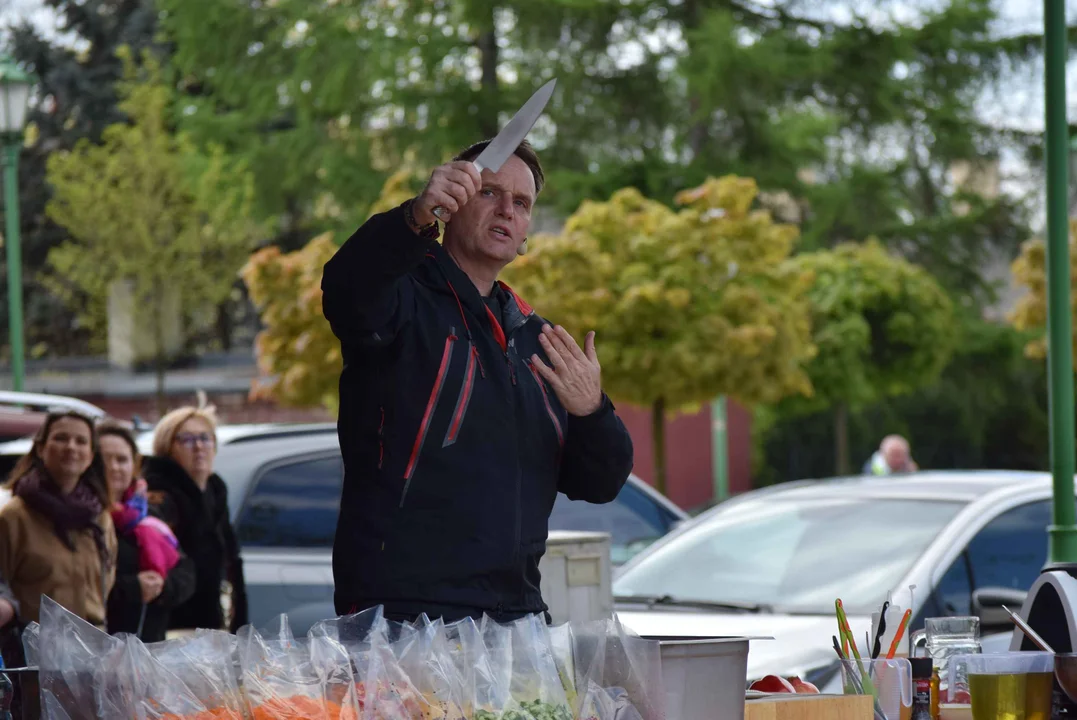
(189, 440)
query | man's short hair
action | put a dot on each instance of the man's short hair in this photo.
(525, 152)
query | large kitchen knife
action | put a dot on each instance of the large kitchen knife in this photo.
(510, 137)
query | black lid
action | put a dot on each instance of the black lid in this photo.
(922, 667)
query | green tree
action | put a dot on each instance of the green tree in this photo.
(298, 355)
(883, 327)
(144, 208)
(325, 100)
(862, 122)
(987, 410)
(686, 305)
(854, 127)
(76, 72)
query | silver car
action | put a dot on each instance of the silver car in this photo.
(284, 494)
(772, 562)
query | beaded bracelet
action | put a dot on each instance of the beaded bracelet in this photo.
(429, 231)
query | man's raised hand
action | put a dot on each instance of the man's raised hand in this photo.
(450, 187)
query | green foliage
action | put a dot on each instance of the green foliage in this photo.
(987, 410)
(144, 207)
(686, 305)
(299, 358)
(882, 327)
(860, 122)
(325, 107)
(75, 72)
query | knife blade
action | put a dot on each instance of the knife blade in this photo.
(504, 145)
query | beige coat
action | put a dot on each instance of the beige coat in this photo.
(35, 562)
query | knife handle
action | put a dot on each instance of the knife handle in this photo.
(439, 210)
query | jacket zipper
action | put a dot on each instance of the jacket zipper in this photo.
(463, 399)
(549, 407)
(431, 403)
(381, 437)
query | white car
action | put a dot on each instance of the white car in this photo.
(772, 563)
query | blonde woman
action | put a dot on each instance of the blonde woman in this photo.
(186, 493)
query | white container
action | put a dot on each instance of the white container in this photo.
(704, 678)
(576, 576)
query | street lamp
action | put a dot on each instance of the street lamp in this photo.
(15, 85)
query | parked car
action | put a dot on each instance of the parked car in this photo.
(771, 563)
(22, 413)
(284, 493)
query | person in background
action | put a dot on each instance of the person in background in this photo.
(893, 457)
(56, 537)
(193, 500)
(152, 574)
(56, 533)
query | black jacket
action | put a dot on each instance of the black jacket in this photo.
(202, 525)
(454, 448)
(125, 600)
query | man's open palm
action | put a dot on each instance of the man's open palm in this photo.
(576, 377)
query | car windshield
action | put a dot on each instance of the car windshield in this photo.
(792, 555)
(634, 520)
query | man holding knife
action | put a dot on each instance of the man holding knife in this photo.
(462, 412)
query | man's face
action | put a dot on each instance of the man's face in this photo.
(494, 223)
(896, 455)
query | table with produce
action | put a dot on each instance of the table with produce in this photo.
(360, 667)
(364, 667)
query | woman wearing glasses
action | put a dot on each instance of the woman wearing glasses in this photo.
(186, 493)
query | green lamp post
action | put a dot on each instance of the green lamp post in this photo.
(15, 86)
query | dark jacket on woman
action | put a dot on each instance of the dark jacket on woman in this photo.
(201, 523)
(125, 600)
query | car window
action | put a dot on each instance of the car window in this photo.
(1008, 552)
(953, 594)
(1011, 549)
(293, 505)
(633, 520)
(796, 553)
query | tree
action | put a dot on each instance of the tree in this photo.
(987, 410)
(298, 356)
(76, 71)
(883, 327)
(860, 123)
(686, 305)
(325, 108)
(145, 209)
(1030, 312)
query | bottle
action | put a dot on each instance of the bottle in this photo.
(921, 687)
(936, 686)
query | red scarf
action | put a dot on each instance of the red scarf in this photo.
(158, 548)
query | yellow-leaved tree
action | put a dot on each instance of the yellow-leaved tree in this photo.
(686, 304)
(299, 358)
(1030, 270)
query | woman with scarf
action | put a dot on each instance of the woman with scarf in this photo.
(152, 574)
(56, 534)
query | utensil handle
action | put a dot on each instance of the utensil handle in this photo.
(439, 211)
